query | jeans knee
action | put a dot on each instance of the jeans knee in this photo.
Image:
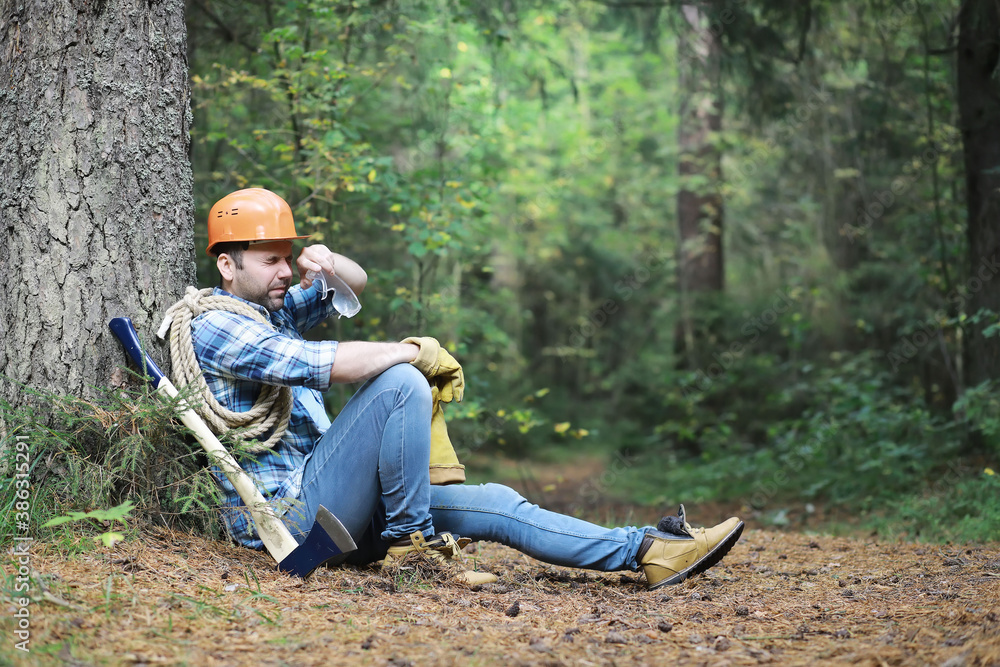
(503, 496)
(488, 497)
(408, 379)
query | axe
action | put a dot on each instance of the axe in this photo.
(328, 540)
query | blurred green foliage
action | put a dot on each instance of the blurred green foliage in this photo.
(508, 176)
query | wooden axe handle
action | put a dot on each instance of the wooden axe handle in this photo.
(273, 533)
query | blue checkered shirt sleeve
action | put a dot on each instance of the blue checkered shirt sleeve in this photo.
(242, 349)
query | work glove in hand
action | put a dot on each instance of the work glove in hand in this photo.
(427, 358)
(439, 367)
(444, 465)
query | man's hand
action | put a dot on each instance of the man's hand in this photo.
(438, 366)
(315, 258)
(427, 358)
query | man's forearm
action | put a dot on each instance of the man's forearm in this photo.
(320, 258)
(350, 272)
(359, 360)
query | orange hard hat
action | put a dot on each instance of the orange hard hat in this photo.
(254, 214)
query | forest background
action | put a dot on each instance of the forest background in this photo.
(728, 249)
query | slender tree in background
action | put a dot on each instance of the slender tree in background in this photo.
(699, 203)
(95, 181)
(979, 108)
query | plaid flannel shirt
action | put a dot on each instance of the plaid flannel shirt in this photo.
(237, 355)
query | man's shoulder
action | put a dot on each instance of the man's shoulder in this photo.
(240, 312)
(222, 324)
(215, 323)
(220, 318)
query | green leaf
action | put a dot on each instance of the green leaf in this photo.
(416, 249)
(72, 516)
(110, 538)
(114, 514)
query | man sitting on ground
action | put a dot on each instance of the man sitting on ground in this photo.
(370, 465)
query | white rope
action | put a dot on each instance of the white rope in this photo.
(274, 405)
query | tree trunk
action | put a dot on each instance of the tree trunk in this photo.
(979, 110)
(699, 204)
(97, 195)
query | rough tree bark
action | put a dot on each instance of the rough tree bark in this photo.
(979, 111)
(96, 192)
(699, 204)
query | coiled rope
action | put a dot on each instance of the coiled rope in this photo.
(274, 404)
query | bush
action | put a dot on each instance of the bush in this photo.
(979, 406)
(843, 434)
(962, 506)
(86, 455)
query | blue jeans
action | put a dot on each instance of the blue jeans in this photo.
(371, 470)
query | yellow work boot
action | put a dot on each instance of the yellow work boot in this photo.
(451, 548)
(440, 549)
(675, 551)
(436, 549)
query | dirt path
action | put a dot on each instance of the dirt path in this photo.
(777, 598)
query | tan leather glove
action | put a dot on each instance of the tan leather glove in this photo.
(427, 358)
(439, 367)
(445, 468)
(450, 379)
(447, 382)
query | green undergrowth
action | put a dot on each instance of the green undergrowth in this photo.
(90, 456)
(962, 510)
(843, 436)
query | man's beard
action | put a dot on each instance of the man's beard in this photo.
(260, 295)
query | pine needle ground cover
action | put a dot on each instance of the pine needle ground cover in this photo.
(778, 598)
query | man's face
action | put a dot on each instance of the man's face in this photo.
(266, 274)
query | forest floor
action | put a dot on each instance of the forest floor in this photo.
(778, 598)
